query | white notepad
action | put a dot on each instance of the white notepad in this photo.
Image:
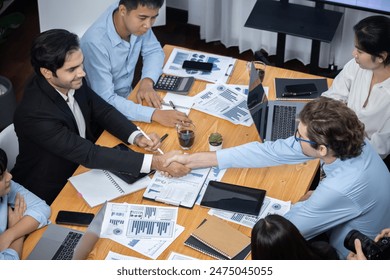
(96, 186)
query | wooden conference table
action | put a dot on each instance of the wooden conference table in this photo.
(287, 182)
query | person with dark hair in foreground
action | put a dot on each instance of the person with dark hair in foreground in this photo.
(21, 212)
(353, 195)
(276, 238)
(57, 119)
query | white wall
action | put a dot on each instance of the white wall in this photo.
(76, 15)
(178, 4)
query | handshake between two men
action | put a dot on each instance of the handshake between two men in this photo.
(174, 163)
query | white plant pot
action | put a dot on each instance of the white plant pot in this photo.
(213, 148)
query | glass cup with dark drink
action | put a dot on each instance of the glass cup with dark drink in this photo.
(260, 68)
(186, 135)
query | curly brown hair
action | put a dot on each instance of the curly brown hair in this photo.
(330, 122)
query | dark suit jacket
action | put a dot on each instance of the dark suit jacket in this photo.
(50, 147)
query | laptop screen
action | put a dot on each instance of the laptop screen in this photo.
(257, 101)
(91, 236)
(255, 88)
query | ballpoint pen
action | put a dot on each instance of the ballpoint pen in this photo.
(173, 105)
(292, 94)
(163, 137)
(176, 106)
(147, 137)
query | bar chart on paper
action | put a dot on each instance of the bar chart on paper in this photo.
(152, 229)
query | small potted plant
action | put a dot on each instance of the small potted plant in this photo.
(215, 141)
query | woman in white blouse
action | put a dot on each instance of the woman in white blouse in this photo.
(364, 83)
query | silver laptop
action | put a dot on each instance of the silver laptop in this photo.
(273, 119)
(62, 243)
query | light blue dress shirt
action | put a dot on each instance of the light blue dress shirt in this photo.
(110, 62)
(354, 195)
(36, 208)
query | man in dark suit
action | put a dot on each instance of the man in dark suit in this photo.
(57, 119)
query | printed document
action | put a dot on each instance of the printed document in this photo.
(139, 221)
(270, 206)
(222, 65)
(182, 191)
(225, 102)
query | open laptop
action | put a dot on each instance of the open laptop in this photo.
(273, 119)
(62, 243)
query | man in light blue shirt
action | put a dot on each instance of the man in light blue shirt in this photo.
(111, 48)
(355, 193)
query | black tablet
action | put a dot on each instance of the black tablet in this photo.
(233, 198)
(128, 178)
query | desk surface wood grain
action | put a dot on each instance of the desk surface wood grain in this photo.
(286, 182)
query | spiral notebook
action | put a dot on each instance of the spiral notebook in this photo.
(218, 239)
(96, 186)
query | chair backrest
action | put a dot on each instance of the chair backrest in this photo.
(9, 143)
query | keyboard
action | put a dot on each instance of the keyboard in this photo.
(283, 122)
(65, 252)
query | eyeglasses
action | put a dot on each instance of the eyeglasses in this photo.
(298, 139)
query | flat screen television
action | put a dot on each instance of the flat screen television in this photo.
(376, 6)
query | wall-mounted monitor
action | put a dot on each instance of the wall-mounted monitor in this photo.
(376, 6)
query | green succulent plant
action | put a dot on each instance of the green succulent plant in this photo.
(215, 139)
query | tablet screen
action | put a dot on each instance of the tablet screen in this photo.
(233, 198)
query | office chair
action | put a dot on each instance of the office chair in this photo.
(9, 143)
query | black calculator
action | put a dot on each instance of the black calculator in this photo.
(175, 84)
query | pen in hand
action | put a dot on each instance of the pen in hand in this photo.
(147, 137)
(163, 137)
(172, 105)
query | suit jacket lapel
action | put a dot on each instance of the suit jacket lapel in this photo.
(52, 93)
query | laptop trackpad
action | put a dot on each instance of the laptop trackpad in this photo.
(44, 250)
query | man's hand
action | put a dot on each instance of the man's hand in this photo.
(170, 117)
(150, 145)
(179, 158)
(174, 169)
(359, 252)
(146, 92)
(384, 233)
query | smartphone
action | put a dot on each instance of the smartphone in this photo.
(74, 218)
(196, 65)
(299, 89)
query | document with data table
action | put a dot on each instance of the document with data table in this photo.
(225, 102)
(182, 191)
(139, 221)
